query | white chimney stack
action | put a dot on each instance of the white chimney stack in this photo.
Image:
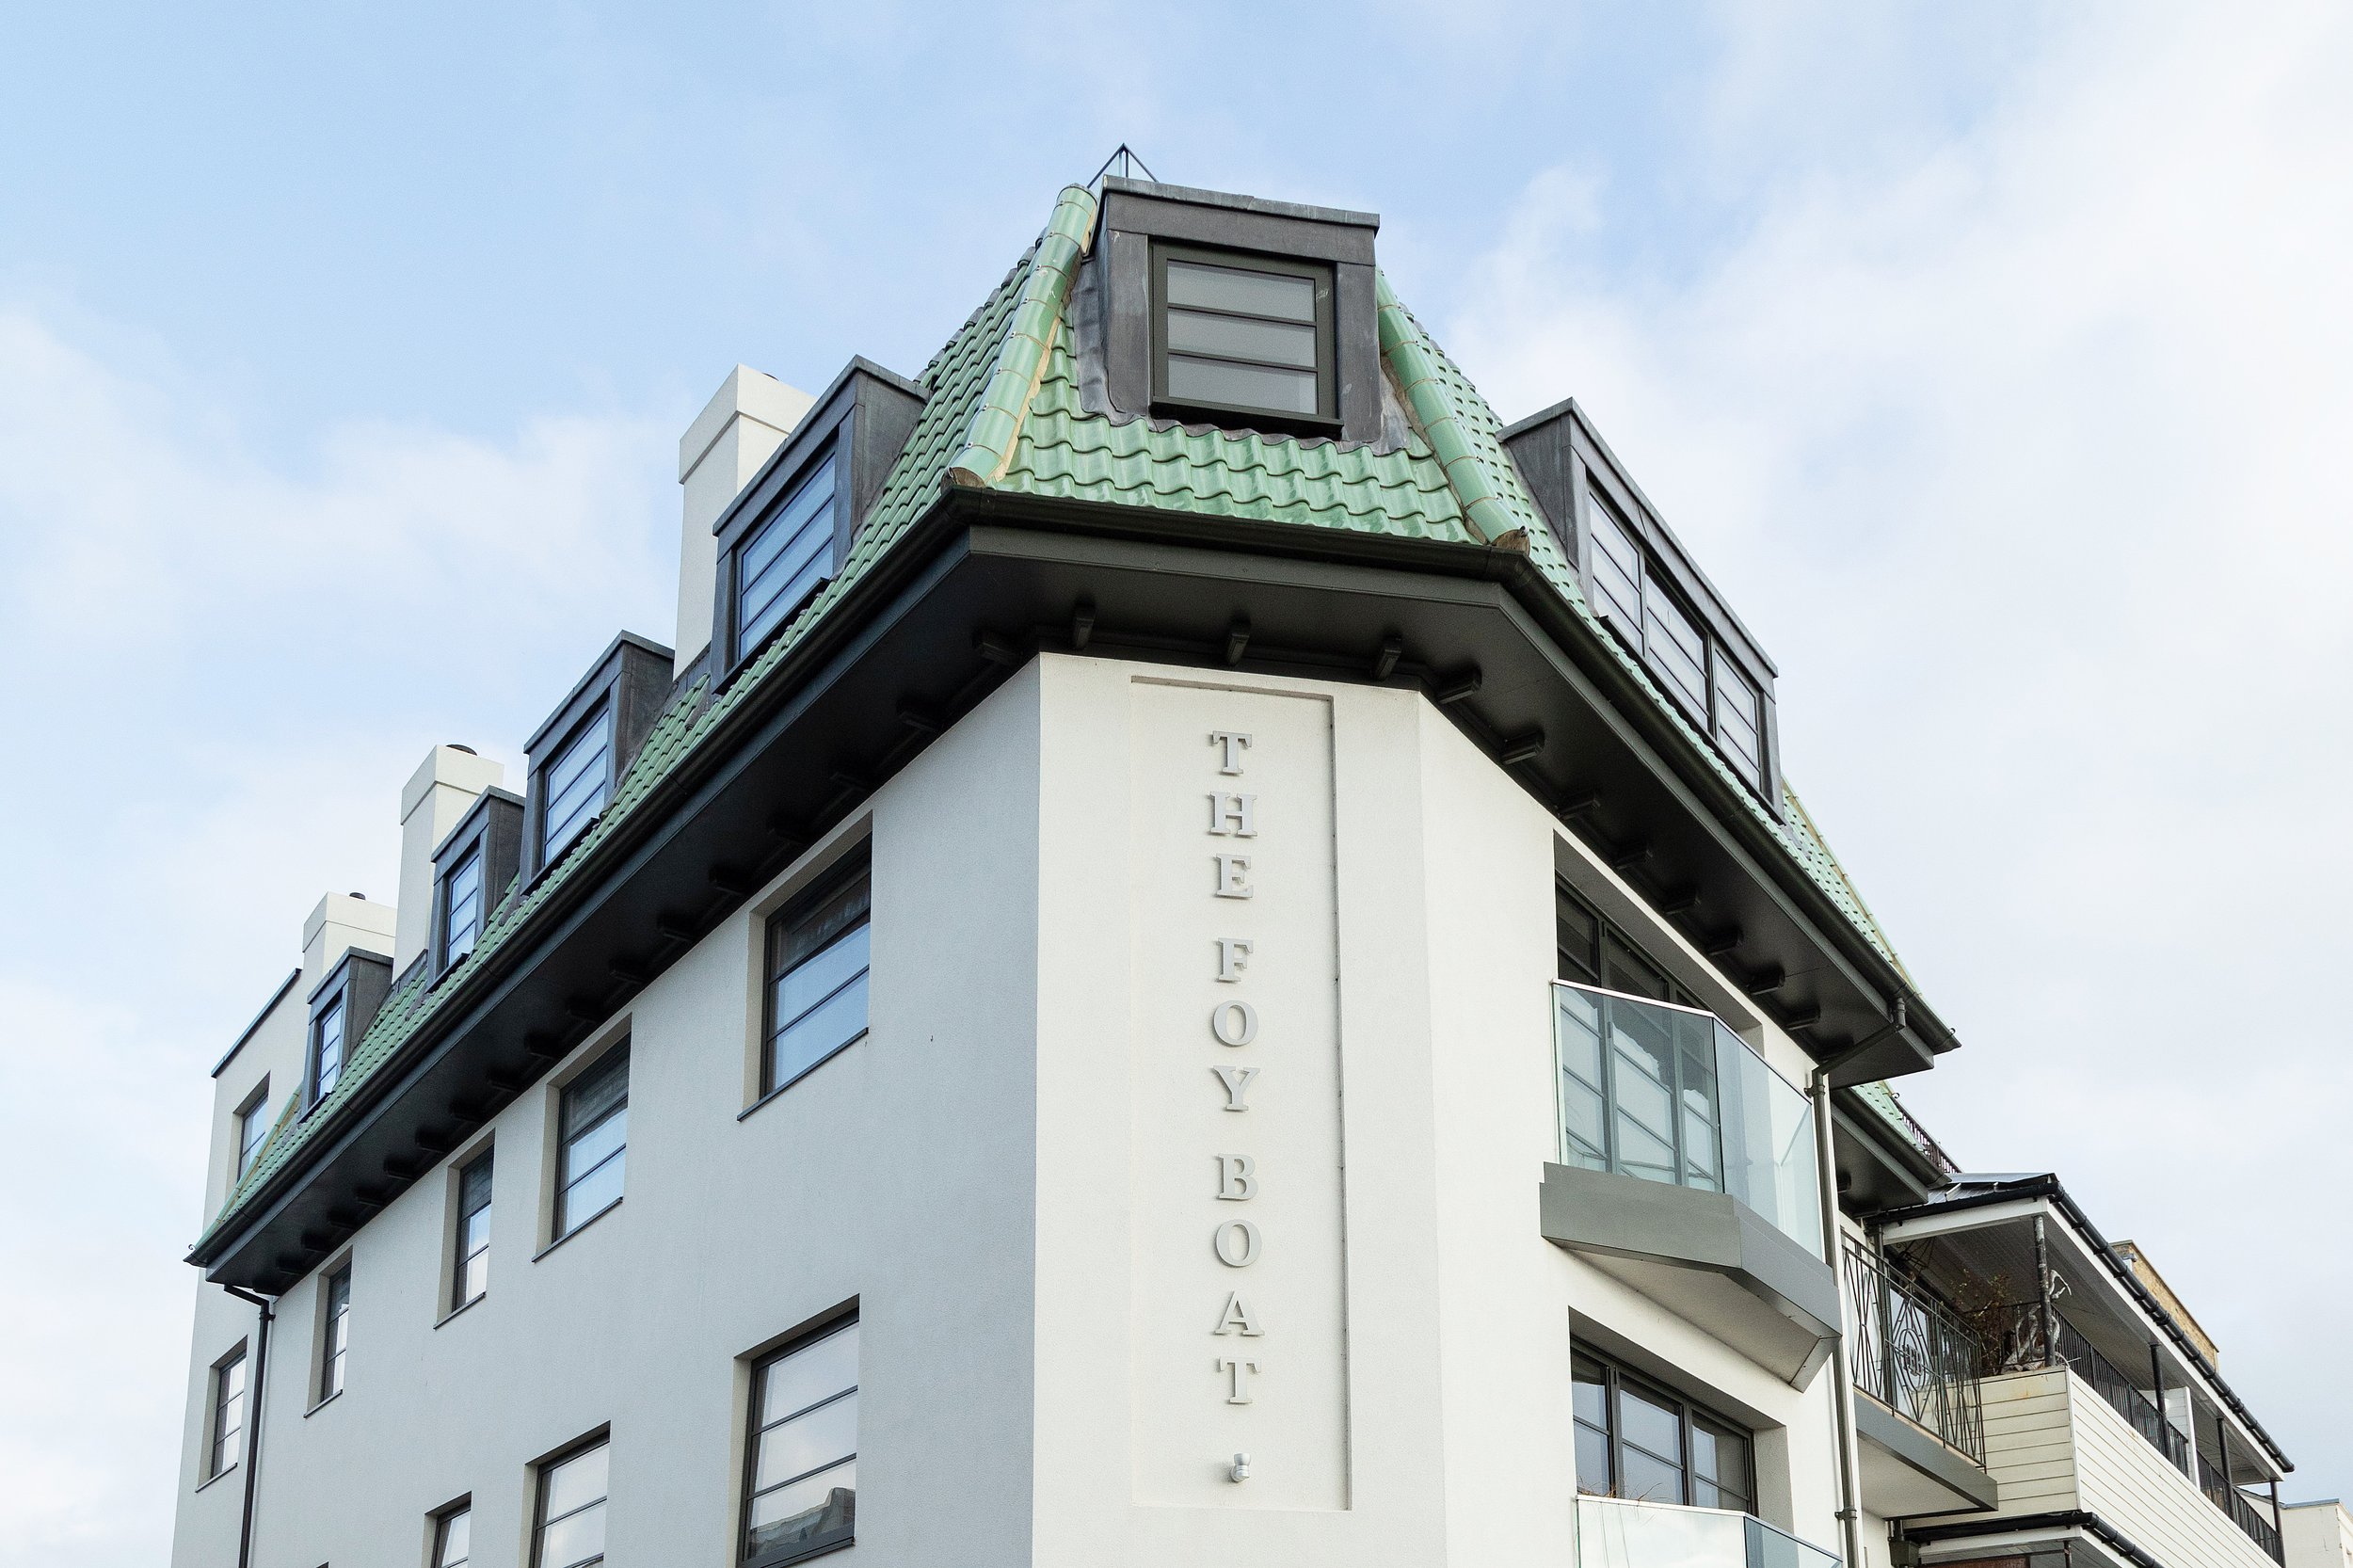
(738, 430)
(437, 793)
(340, 922)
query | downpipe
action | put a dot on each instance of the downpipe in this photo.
(253, 1420)
(1834, 1244)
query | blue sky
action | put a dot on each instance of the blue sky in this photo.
(1989, 356)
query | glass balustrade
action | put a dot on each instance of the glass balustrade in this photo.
(1670, 1093)
(1615, 1533)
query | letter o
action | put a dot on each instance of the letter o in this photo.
(1236, 1243)
(1234, 1023)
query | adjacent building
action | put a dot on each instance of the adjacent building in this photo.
(1200, 952)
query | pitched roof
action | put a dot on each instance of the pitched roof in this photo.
(1003, 413)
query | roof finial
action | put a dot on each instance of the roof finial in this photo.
(1129, 164)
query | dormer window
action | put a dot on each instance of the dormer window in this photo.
(575, 785)
(1739, 721)
(1242, 335)
(786, 558)
(461, 908)
(327, 1051)
(253, 1128)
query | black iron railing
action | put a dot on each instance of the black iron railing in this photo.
(1908, 1351)
(2239, 1506)
(2121, 1392)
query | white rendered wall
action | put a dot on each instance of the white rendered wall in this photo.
(437, 793)
(1017, 1176)
(737, 432)
(2316, 1535)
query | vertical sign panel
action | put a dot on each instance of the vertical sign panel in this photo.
(1240, 1331)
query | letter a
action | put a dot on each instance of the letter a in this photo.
(1238, 1318)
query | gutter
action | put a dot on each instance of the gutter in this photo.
(2047, 1187)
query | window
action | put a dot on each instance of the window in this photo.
(779, 565)
(594, 1126)
(1244, 336)
(1594, 952)
(469, 1277)
(228, 1445)
(334, 1332)
(817, 958)
(327, 1051)
(1629, 593)
(1635, 1440)
(569, 1529)
(452, 1538)
(253, 1128)
(573, 787)
(461, 909)
(801, 1481)
(1739, 722)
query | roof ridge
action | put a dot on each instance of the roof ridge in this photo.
(1408, 349)
(1021, 358)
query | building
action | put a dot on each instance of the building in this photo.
(1201, 952)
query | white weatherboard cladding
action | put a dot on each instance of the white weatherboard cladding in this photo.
(1240, 1336)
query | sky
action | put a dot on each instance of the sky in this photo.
(1992, 358)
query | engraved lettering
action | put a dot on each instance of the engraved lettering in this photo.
(1236, 1242)
(1233, 956)
(1238, 1318)
(1238, 1375)
(1231, 744)
(1233, 816)
(1233, 876)
(1237, 1081)
(1234, 1023)
(1236, 1177)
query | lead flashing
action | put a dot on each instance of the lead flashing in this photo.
(1234, 201)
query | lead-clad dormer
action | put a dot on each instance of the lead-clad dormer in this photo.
(579, 755)
(472, 869)
(1211, 308)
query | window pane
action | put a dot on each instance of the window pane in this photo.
(577, 1481)
(1592, 1460)
(1575, 932)
(808, 1442)
(596, 1091)
(1617, 562)
(573, 787)
(810, 1375)
(1720, 1465)
(462, 918)
(1645, 1477)
(576, 1539)
(823, 1505)
(592, 1193)
(1272, 343)
(820, 1032)
(1648, 1423)
(1283, 296)
(588, 1149)
(1676, 649)
(1624, 970)
(1589, 1392)
(778, 565)
(456, 1533)
(1290, 391)
(819, 976)
(1740, 724)
(329, 1051)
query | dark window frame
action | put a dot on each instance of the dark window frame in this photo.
(437, 1533)
(1325, 421)
(829, 453)
(353, 992)
(490, 829)
(334, 1350)
(543, 1472)
(1688, 1413)
(564, 1223)
(1601, 968)
(251, 1131)
(630, 683)
(216, 1429)
(839, 879)
(544, 845)
(462, 1253)
(337, 1013)
(446, 914)
(756, 1428)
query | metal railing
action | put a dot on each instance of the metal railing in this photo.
(2241, 1508)
(2072, 1350)
(1909, 1351)
(1612, 1532)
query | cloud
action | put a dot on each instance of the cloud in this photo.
(2022, 453)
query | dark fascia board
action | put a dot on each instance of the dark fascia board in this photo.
(2047, 1187)
(2032, 1524)
(576, 702)
(1921, 1449)
(1117, 185)
(1891, 1158)
(1724, 620)
(259, 1018)
(770, 777)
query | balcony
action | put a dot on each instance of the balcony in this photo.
(1688, 1170)
(1614, 1533)
(1920, 1412)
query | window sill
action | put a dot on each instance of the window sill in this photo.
(221, 1474)
(787, 1083)
(574, 1231)
(322, 1404)
(1263, 422)
(465, 1306)
(805, 1551)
